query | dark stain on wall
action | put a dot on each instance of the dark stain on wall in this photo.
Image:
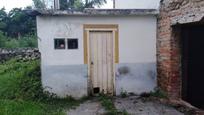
(123, 70)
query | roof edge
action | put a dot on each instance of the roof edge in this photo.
(94, 12)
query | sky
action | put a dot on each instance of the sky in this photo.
(9, 4)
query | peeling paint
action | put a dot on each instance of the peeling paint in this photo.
(140, 78)
(73, 81)
(65, 80)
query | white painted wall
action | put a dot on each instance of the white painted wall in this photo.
(64, 72)
(137, 38)
(137, 4)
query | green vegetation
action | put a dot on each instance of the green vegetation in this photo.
(123, 94)
(39, 4)
(23, 42)
(17, 23)
(107, 103)
(80, 4)
(70, 4)
(21, 92)
(157, 93)
(17, 29)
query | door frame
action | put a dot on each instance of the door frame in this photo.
(100, 27)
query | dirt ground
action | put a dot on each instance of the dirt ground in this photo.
(90, 107)
(133, 105)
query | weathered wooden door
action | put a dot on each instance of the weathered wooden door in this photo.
(101, 45)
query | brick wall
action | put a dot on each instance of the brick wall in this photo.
(174, 13)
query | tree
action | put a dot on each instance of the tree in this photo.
(20, 23)
(39, 4)
(92, 3)
(16, 22)
(3, 19)
(2, 40)
(64, 4)
(80, 4)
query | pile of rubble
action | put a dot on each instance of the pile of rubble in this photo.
(20, 53)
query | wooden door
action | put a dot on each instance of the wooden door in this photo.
(101, 45)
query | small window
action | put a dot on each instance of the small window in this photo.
(59, 43)
(72, 43)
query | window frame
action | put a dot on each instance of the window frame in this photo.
(55, 45)
(77, 40)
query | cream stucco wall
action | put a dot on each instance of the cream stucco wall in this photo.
(64, 72)
(137, 38)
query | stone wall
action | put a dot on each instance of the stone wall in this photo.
(24, 54)
(173, 13)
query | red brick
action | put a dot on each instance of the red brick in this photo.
(168, 43)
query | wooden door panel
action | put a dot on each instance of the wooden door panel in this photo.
(109, 63)
(101, 61)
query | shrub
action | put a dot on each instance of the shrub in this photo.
(30, 84)
(11, 43)
(123, 94)
(2, 40)
(23, 42)
(28, 41)
(15, 75)
(157, 93)
(107, 103)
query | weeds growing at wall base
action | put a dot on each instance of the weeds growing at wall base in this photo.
(107, 103)
(21, 92)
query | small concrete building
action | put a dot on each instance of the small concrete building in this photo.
(106, 51)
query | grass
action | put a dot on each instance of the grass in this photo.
(15, 107)
(21, 92)
(123, 94)
(107, 103)
(157, 93)
(22, 42)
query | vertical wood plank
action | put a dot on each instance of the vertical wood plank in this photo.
(101, 49)
(110, 62)
(104, 63)
(100, 60)
(91, 56)
(95, 39)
